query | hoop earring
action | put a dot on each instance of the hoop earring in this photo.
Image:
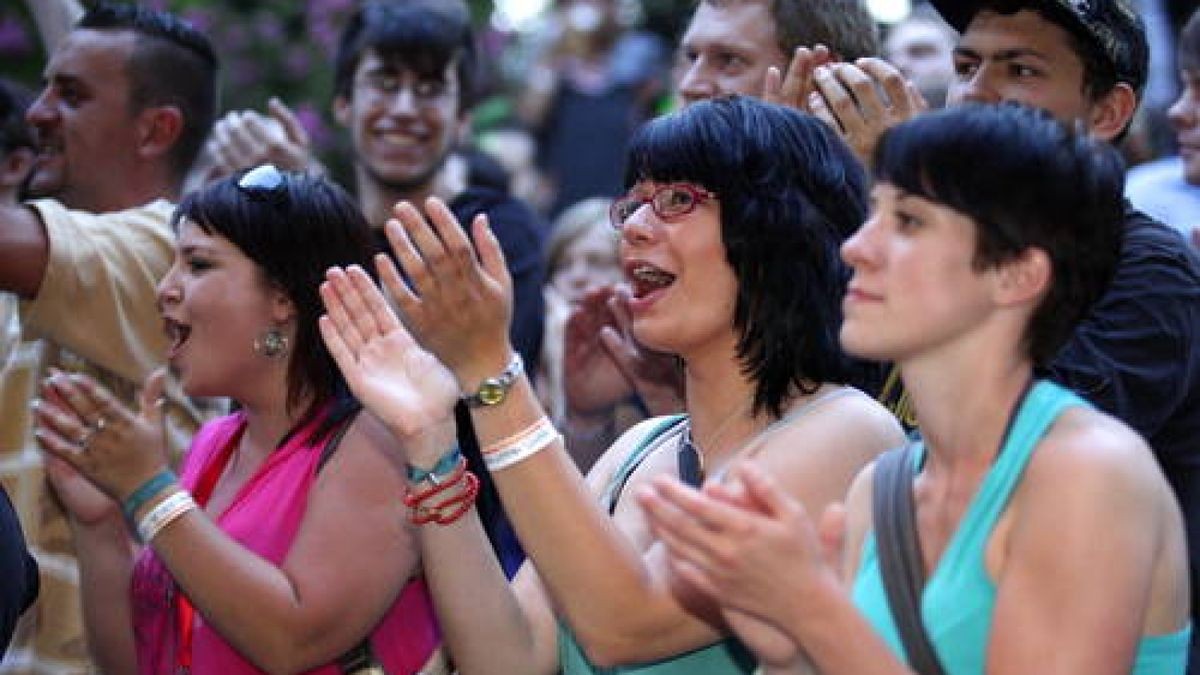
(272, 343)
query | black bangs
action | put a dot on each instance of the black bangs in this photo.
(692, 145)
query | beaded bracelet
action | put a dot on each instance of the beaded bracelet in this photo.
(528, 443)
(145, 492)
(442, 469)
(163, 514)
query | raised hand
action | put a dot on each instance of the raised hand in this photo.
(84, 425)
(657, 377)
(862, 100)
(593, 382)
(403, 385)
(794, 88)
(243, 139)
(458, 304)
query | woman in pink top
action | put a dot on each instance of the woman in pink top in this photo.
(262, 556)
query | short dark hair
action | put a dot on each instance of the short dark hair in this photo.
(312, 226)
(423, 35)
(790, 192)
(15, 132)
(1043, 185)
(172, 64)
(1189, 43)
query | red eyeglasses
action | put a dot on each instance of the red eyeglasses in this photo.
(667, 202)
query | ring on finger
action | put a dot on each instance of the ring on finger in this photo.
(85, 437)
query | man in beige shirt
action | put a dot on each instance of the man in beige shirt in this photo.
(130, 96)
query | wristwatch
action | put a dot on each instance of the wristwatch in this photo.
(493, 389)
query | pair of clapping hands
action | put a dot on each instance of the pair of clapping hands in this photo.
(859, 100)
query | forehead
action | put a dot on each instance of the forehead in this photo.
(990, 32)
(93, 55)
(374, 61)
(745, 27)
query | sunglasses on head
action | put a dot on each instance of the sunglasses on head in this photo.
(264, 183)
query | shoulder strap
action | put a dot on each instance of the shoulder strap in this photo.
(334, 440)
(648, 442)
(899, 553)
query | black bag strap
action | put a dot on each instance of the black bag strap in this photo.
(900, 555)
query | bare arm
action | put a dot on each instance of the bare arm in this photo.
(488, 627)
(24, 250)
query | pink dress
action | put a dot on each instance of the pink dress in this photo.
(264, 517)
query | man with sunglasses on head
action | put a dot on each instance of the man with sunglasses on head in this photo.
(130, 95)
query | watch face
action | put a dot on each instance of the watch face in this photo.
(491, 392)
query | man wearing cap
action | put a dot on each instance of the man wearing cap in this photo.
(1137, 355)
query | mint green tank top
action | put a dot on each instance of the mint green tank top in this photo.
(959, 598)
(727, 657)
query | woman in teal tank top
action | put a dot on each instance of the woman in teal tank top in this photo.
(1049, 541)
(729, 238)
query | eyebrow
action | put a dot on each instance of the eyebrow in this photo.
(1003, 54)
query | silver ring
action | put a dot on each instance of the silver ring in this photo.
(85, 437)
(101, 423)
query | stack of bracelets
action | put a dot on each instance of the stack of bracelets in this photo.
(450, 493)
(163, 514)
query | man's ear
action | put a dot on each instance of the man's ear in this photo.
(463, 131)
(1025, 278)
(1111, 114)
(159, 128)
(341, 110)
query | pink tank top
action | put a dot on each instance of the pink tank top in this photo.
(264, 517)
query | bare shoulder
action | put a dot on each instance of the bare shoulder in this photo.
(846, 424)
(367, 454)
(1088, 452)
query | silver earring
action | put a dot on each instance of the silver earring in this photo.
(272, 343)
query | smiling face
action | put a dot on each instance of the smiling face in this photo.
(215, 304)
(683, 288)
(86, 129)
(727, 50)
(403, 123)
(912, 258)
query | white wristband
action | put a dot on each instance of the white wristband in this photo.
(524, 447)
(163, 514)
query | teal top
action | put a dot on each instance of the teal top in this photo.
(727, 657)
(959, 598)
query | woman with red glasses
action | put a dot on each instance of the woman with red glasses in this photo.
(729, 241)
(282, 546)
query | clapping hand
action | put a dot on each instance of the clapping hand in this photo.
(85, 427)
(403, 385)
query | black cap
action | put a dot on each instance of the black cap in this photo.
(1112, 25)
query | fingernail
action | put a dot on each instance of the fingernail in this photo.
(821, 71)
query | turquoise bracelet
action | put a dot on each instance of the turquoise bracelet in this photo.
(145, 492)
(445, 466)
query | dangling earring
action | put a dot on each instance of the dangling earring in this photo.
(271, 343)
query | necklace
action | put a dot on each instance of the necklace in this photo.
(691, 460)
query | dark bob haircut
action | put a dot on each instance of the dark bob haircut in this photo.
(421, 35)
(293, 235)
(1026, 181)
(172, 64)
(790, 193)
